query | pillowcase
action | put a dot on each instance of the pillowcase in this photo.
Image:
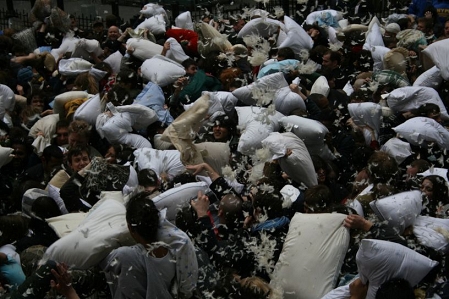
(143, 49)
(369, 114)
(298, 165)
(216, 154)
(263, 26)
(411, 97)
(176, 51)
(255, 124)
(177, 197)
(74, 66)
(437, 53)
(84, 47)
(103, 230)
(432, 232)
(114, 60)
(397, 149)
(155, 24)
(297, 38)
(286, 101)
(418, 130)
(379, 261)
(89, 110)
(152, 9)
(7, 98)
(312, 132)
(313, 16)
(442, 172)
(68, 45)
(65, 224)
(162, 162)
(312, 239)
(321, 86)
(430, 78)
(374, 35)
(162, 70)
(399, 210)
(184, 20)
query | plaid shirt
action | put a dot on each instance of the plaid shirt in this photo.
(393, 78)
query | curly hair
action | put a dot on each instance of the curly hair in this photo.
(142, 216)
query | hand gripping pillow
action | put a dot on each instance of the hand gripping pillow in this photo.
(103, 230)
(312, 17)
(411, 97)
(152, 9)
(143, 49)
(379, 261)
(314, 251)
(256, 124)
(162, 70)
(114, 60)
(366, 114)
(84, 47)
(397, 149)
(423, 129)
(297, 38)
(430, 78)
(312, 132)
(400, 210)
(162, 162)
(184, 20)
(156, 24)
(89, 110)
(176, 51)
(63, 98)
(263, 26)
(286, 101)
(74, 66)
(437, 52)
(262, 90)
(177, 197)
(298, 165)
(216, 154)
(432, 232)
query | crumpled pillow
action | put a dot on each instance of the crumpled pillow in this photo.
(143, 49)
(286, 101)
(437, 52)
(297, 38)
(374, 35)
(396, 60)
(155, 24)
(263, 26)
(68, 45)
(397, 149)
(47, 126)
(432, 232)
(379, 261)
(321, 86)
(442, 172)
(411, 97)
(176, 51)
(166, 162)
(84, 47)
(162, 70)
(421, 130)
(7, 100)
(430, 78)
(212, 40)
(378, 53)
(89, 110)
(152, 9)
(114, 60)
(61, 99)
(184, 20)
(72, 67)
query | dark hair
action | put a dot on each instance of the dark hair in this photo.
(63, 123)
(142, 216)
(318, 199)
(403, 23)
(126, 77)
(428, 23)
(76, 151)
(334, 56)
(269, 203)
(52, 151)
(147, 178)
(382, 168)
(426, 109)
(123, 153)
(396, 288)
(45, 207)
(440, 190)
(13, 227)
(119, 96)
(36, 93)
(188, 62)
(286, 53)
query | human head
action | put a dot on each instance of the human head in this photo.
(230, 211)
(45, 207)
(13, 227)
(268, 204)
(392, 29)
(36, 100)
(119, 154)
(119, 96)
(382, 168)
(285, 53)
(79, 133)
(98, 27)
(148, 179)
(62, 132)
(86, 82)
(317, 199)
(127, 79)
(430, 110)
(417, 166)
(331, 60)
(223, 128)
(446, 29)
(254, 287)
(78, 158)
(52, 158)
(435, 188)
(425, 25)
(238, 24)
(395, 288)
(113, 33)
(142, 218)
(190, 66)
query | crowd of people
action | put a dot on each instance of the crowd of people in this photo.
(266, 118)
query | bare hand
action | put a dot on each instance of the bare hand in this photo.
(195, 168)
(357, 289)
(357, 222)
(200, 205)
(63, 283)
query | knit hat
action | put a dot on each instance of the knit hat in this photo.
(24, 75)
(393, 28)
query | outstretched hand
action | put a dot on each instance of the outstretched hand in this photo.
(63, 281)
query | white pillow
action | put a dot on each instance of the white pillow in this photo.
(423, 129)
(83, 48)
(65, 224)
(143, 49)
(227, 100)
(216, 154)
(184, 20)
(268, 85)
(432, 232)
(286, 101)
(155, 24)
(176, 52)
(7, 99)
(437, 52)
(312, 132)
(298, 166)
(314, 250)
(74, 66)
(103, 230)
(399, 210)
(65, 97)
(379, 261)
(264, 27)
(374, 35)
(397, 149)
(430, 78)
(378, 53)
(255, 124)
(114, 60)
(312, 17)
(411, 97)
(175, 198)
(369, 114)
(442, 172)
(5, 155)
(68, 45)
(167, 161)
(54, 192)
(152, 9)
(321, 86)
(297, 38)
(212, 40)
(89, 110)
(162, 70)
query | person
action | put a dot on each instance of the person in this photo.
(114, 42)
(51, 160)
(331, 63)
(62, 134)
(145, 270)
(79, 133)
(436, 196)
